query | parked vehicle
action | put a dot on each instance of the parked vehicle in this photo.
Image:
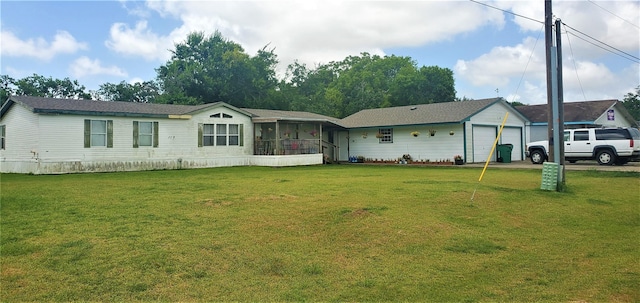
(608, 146)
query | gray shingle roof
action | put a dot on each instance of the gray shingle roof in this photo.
(272, 115)
(111, 108)
(434, 113)
(573, 111)
(132, 109)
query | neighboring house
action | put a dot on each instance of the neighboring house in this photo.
(601, 113)
(466, 128)
(45, 136)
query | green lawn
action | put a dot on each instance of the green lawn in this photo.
(321, 233)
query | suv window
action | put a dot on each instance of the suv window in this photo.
(612, 134)
(635, 133)
(581, 135)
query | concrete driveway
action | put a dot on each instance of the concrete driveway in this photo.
(580, 165)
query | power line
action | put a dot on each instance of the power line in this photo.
(529, 61)
(606, 10)
(575, 67)
(508, 12)
(620, 52)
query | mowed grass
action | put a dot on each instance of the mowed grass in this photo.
(320, 233)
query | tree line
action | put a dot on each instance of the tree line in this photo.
(210, 68)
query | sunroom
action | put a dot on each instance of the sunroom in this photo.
(294, 133)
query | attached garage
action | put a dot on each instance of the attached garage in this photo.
(513, 135)
(483, 138)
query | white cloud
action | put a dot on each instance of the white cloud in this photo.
(139, 41)
(317, 31)
(83, 67)
(585, 75)
(62, 43)
(309, 31)
(503, 63)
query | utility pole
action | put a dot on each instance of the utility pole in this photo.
(560, 117)
(555, 110)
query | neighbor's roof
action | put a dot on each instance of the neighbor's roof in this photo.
(434, 113)
(587, 111)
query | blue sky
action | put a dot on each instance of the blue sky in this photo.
(491, 52)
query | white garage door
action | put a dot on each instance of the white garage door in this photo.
(483, 138)
(511, 135)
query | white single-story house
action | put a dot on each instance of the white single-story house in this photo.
(587, 114)
(444, 130)
(50, 136)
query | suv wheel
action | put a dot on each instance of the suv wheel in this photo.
(606, 157)
(537, 157)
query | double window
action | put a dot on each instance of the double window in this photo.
(220, 135)
(98, 133)
(145, 134)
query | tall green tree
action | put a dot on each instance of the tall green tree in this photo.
(142, 92)
(206, 69)
(40, 86)
(631, 102)
(7, 88)
(367, 81)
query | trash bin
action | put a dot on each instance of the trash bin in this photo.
(504, 153)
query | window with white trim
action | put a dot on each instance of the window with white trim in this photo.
(234, 134)
(386, 135)
(145, 134)
(220, 134)
(98, 133)
(208, 135)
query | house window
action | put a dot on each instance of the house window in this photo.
(2, 136)
(145, 134)
(385, 135)
(220, 135)
(98, 133)
(234, 134)
(208, 135)
(221, 115)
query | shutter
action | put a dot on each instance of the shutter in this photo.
(109, 133)
(241, 135)
(2, 136)
(155, 134)
(135, 134)
(200, 134)
(87, 133)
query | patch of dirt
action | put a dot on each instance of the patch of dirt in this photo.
(359, 212)
(215, 203)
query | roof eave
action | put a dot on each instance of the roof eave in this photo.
(97, 113)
